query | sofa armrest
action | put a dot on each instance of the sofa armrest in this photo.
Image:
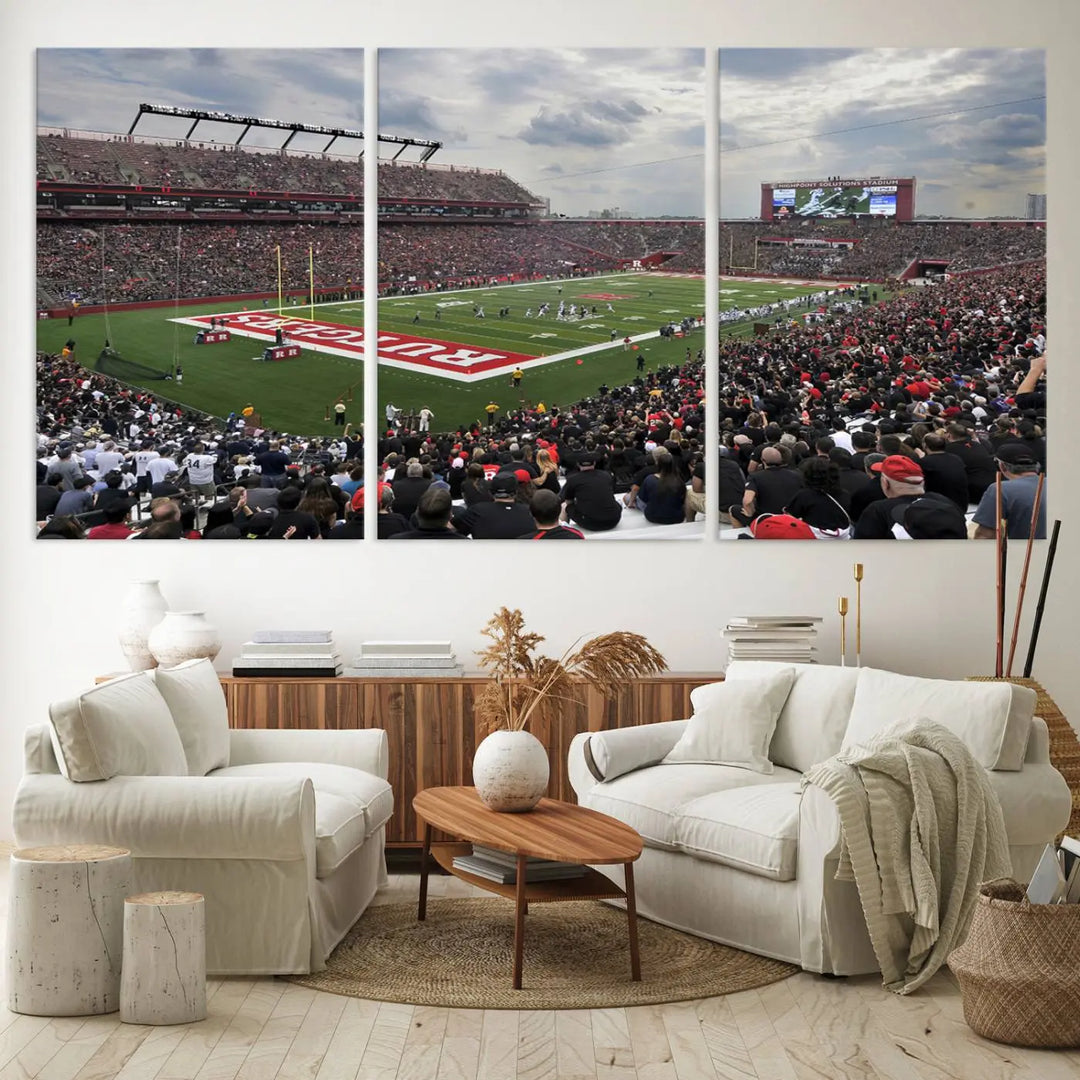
(38, 753)
(171, 817)
(1038, 744)
(1035, 803)
(366, 749)
(598, 756)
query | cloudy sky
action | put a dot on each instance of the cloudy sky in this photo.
(978, 162)
(587, 128)
(100, 89)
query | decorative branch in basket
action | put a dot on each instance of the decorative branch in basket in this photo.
(526, 685)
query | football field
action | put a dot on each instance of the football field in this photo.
(434, 348)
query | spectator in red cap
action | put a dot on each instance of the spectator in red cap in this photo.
(901, 483)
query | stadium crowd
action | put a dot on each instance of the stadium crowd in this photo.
(124, 160)
(139, 261)
(839, 424)
(875, 249)
(844, 421)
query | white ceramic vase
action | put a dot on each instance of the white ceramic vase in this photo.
(143, 608)
(184, 635)
(510, 771)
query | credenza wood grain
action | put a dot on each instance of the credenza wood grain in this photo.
(430, 726)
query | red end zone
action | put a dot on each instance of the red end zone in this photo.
(463, 363)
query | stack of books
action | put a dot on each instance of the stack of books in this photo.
(288, 653)
(501, 866)
(786, 638)
(406, 660)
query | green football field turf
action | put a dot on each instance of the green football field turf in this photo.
(293, 395)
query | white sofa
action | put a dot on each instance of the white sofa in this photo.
(282, 831)
(748, 858)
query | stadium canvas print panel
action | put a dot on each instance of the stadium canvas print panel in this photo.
(198, 212)
(541, 311)
(883, 293)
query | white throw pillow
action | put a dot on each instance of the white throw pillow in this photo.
(193, 693)
(734, 721)
(992, 719)
(121, 728)
(815, 716)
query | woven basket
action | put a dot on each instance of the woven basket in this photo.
(1019, 969)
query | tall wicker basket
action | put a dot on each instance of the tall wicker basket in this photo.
(1019, 969)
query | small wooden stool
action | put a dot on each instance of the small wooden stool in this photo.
(164, 978)
(65, 929)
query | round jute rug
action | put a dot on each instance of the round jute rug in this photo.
(577, 956)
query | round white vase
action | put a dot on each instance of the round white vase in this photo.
(143, 608)
(510, 771)
(184, 635)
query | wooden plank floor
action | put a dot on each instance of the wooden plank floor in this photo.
(805, 1028)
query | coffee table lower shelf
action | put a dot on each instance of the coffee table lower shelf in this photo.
(593, 886)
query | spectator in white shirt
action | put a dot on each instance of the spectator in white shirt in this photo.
(200, 470)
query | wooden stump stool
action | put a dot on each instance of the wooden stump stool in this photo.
(65, 929)
(164, 979)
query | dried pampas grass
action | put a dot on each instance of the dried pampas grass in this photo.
(525, 685)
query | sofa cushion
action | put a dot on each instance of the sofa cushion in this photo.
(992, 719)
(753, 828)
(733, 722)
(193, 693)
(811, 725)
(651, 800)
(339, 831)
(122, 727)
(370, 794)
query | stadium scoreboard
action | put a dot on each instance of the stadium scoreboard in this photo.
(839, 197)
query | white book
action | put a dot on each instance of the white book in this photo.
(288, 648)
(772, 633)
(405, 648)
(774, 620)
(1047, 884)
(267, 636)
(279, 661)
(1070, 844)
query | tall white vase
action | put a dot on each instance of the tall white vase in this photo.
(184, 635)
(143, 608)
(510, 771)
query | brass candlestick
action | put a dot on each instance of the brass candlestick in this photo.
(858, 614)
(842, 608)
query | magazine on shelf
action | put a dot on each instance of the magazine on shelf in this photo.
(506, 873)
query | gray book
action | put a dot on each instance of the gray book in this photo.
(288, 648)
(264, 637)
(435, 662)
(369, 649)
(405, 672)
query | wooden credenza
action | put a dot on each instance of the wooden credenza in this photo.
(430, 727)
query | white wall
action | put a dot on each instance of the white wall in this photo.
(928, 608)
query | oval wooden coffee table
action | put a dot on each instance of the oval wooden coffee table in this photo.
(552, 830)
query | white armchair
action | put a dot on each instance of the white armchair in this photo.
(284, 836)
